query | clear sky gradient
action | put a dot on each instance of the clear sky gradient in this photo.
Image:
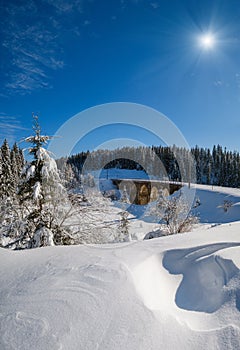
(60, 57)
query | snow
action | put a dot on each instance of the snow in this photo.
(43, 237)
(49, 167)
(211, 208)
(211, 198)
(30, 172)
(37, 190)
(173, 292)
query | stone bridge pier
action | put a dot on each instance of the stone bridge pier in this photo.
(142, 192)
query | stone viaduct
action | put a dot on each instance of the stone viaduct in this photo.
(143, 191)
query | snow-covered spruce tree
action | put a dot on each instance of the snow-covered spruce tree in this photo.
(17, 163)
(3, 197)
(173, 214)
(42, 197)
(69, 177)
(11, 222)
(6, 176)
(7, 190)
(17, 160)
(67, 174)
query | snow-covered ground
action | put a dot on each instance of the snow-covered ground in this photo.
(210, 211)
(212, 200)
(175, 292)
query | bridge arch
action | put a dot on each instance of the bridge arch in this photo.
(154, 194)
(144, 195)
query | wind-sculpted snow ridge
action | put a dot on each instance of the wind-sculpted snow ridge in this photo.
(178, 292)
(198, 286)
(205, 276)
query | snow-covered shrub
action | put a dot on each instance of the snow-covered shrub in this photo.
(123, 227)
(42, 237)
(92, 221)
(227, 204)
(173, 214)
(197, 202)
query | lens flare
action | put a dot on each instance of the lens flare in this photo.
(207, 41)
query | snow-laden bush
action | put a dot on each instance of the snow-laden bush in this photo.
(42, 237)
(173, 214)
(91, 221)
(227, 204)
(123, 226)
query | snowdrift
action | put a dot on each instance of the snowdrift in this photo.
(176, 292)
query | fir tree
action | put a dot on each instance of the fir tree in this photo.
(7, 177)
(19, 160)
(10, 215)
(42, 195)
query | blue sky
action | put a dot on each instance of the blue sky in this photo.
(60, 57)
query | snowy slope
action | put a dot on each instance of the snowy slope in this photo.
(212, 199)
(177, 292)
(210, 211)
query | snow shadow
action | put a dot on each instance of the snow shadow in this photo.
(238, 300)
(211, 208)
(204, 276)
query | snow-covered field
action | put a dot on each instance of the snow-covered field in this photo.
(175, 292)
(210, 211)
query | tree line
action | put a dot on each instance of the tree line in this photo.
(212, 167)
(11, 165)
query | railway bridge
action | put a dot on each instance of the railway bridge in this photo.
(143, 191)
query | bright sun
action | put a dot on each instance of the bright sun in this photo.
(207, 41)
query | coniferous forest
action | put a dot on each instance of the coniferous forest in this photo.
(11, 165)
(31, 191)
(218, 166)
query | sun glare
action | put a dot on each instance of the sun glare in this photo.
(207, 41)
